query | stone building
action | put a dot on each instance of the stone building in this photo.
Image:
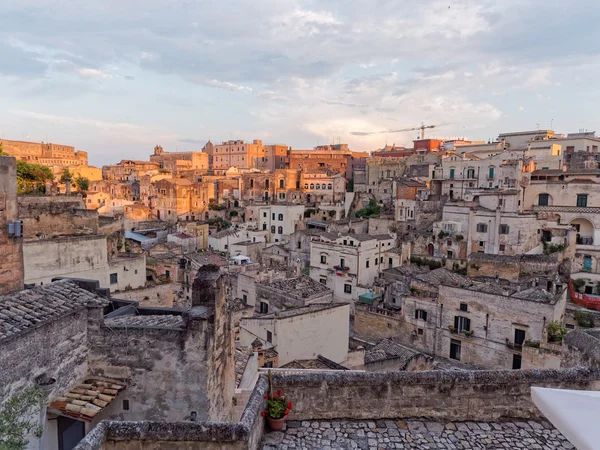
(73, 339)
(322, 330)
(46, 154)
(335, 160)
(348, 264)
(130, 170)
(279, 220)
(11, 238)
(176, 162)
(180, 199)
(482, 321)
(237, 153)
(289, 292)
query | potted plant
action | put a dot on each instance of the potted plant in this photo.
(467, 333)
(278, 408)
(451, 328)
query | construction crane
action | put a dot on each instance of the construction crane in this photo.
(367, 133)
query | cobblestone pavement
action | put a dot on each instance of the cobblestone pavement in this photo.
(416, 434)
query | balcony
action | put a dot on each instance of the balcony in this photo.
(587, 240)
(513, 346)
(571, 209)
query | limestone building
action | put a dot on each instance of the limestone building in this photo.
(11, 232)
(46, 154)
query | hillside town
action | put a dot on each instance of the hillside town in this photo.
(179, 289)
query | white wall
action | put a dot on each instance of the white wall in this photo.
(131, 272)
(76, 257)
(304, 336)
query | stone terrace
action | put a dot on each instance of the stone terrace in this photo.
(416, 434)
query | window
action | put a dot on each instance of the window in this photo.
(482, 228)
(367, 263)
(450, 254)
(504, 229)
(543, 200)
(272, 228)
(342, 262)
(582, 200)
(279, 230)
(481, 243)
(114, 279)
(455, 349)
(269, 337)
(491, 173)
(421, 314)
(281, 183)
(348, 288)
(345, 242)
(420, 331)
(462, 323)
(273, 216)
(351, 243)
(317, 186)
(323, 259)
(323, 186)
(125, 405)
(519, 336)
(168, 272)
(312, 186)
(330, 186)
(376, 261)
(323, 280)
(381, 259)
(502, 247)
(451, 174)
(245, 299)
(471, 173)
(516, 365)
(280, 217)
(464, 307)
(251, 184)
(264, 214)
(449, 242)
(264, 308)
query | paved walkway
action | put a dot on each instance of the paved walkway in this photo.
(416, 434)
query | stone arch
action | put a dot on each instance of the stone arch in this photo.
(585, 230)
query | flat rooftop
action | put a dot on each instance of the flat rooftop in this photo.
(416, 434)
(302, 286)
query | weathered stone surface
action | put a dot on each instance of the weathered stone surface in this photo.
(474, 436)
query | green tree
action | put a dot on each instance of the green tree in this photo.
(372, 210)
(15, 419)
(31, 178)
(65, 175)
(83, 184)
(2, 150)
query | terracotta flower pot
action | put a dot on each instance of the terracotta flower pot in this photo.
(276, 424)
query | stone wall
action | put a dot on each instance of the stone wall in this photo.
(441, 395)
(243, 435)
(161, 295)
(76, 257)
(56, 216)
(11, 248)
(166, 369)
(59, 350)
(510, 267)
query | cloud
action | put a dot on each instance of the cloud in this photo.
(192, 141)
(221, 84)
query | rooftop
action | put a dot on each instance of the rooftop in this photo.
(26, 310)
(387, 349)
(302, 286)
(160, 321)
(205, 258)
(86, 400)
(320, 363)
(394, 433)
(301, 311)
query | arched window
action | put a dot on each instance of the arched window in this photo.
(272, 228)
(323, 186)
(330, 186)
(280, 217)
(305, 185)
(281, 183)
(317, 186)
(471, 173)
(267, 184)
(279, 230)
(251, 184)
(312, 186)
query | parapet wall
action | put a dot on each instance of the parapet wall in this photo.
(441, 395)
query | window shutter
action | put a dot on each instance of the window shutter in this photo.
(456, 323)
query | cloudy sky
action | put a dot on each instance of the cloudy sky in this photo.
(116, 77)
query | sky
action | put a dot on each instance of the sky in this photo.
(115, 78)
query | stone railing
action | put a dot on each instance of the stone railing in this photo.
(573, 209)
(441, 395)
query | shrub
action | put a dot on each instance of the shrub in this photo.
(556, 330)
(233, 213)
(442, 234)
(371, 210)
(578, 284)
(534, 344)
(15, 419)
(584, 319)
(459, 237)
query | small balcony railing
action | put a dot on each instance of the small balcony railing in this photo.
(585, 240)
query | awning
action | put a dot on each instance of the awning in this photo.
(573, 413)
(87, 399)
(368, 298)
